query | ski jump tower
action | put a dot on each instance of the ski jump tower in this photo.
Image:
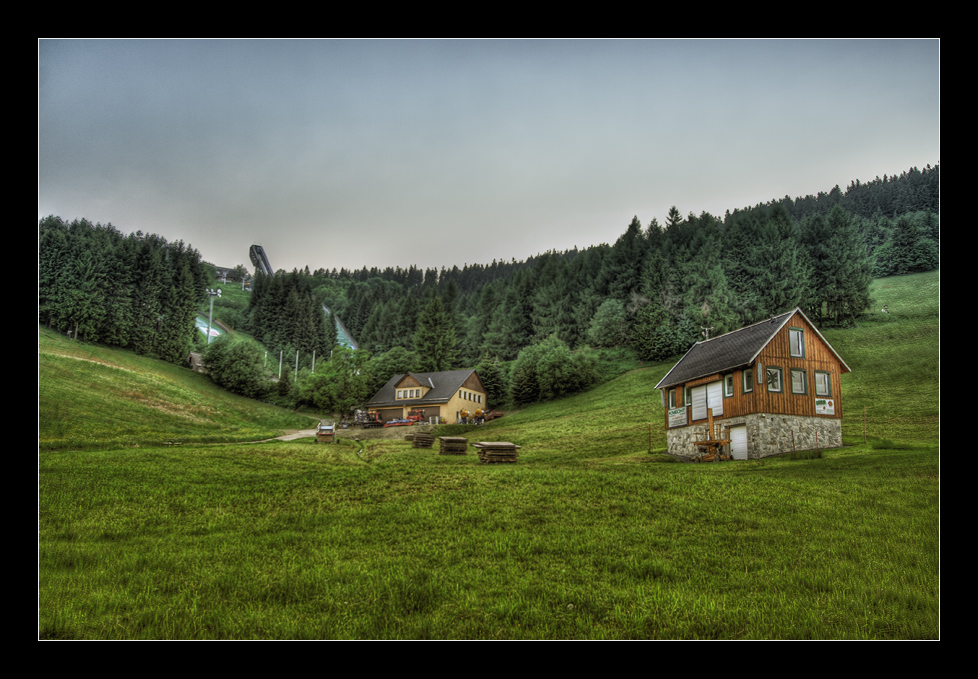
(260, 260)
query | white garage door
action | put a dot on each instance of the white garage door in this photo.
(738, 442)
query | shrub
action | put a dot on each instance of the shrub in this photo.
(237, 365)
(548, 370)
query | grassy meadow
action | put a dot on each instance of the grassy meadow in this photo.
(95, 397)
(589, 536)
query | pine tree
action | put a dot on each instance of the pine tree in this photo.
(911, 251)
(621, 275)
(841, 271)
(493, 379)
(782, 279)
(708, 298)
(435, 340)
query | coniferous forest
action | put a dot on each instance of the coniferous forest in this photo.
(659, 288)
(137, 291)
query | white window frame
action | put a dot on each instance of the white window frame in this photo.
(823, 379)
(801, 375)
(778, 373)
(796, 338)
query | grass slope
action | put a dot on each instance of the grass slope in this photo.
(91, 396)
(586, 537)
(895, 360)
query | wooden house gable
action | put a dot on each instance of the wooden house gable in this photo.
(474, 383)
(407, 382)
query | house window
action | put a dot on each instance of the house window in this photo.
(400, 393)
(672, 399)
(700, 402)
(823, 384)
(728, 386)
(774, 382)
(797, 338)
(748, 381)
(706, 397)
(799, 382)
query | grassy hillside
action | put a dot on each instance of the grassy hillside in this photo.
(97, 397)
(895, 381)
(587, 536)
(895, 361)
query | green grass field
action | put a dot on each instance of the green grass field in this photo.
(91, 397)
(587, 537)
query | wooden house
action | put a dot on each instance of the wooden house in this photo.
(773, 387)
(439, 394)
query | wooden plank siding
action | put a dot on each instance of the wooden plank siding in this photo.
(818, 357)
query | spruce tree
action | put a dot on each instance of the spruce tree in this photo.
(782, 277)
(911, 251)
(708, 298)
(493, 379)
(435, 340)
(846, 273)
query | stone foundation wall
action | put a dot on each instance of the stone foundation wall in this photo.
(766, 435)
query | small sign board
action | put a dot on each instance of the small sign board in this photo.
(824, 406)
(677, 417)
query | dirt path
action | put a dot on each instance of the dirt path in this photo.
(357, 433)
(293, 434)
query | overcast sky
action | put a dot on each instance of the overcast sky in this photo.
(333, 153)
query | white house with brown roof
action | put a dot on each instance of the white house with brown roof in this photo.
(438, 394)
(774, 387)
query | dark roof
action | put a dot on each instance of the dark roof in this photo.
(442, 386)
(734, 350)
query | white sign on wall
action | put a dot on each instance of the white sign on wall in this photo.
(824, 406)
(677, 417)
